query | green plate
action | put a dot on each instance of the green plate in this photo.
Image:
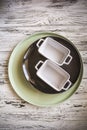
(25, 90)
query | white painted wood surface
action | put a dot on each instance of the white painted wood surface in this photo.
(19, 18)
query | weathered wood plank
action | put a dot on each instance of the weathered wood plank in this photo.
(9, 98)
(19, 19)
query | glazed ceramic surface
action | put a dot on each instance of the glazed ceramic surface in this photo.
(33, 57)
(54, 51)
(53, 75)
(23, 88)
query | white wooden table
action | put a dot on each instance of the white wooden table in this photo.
(20, 18)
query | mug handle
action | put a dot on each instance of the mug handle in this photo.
(40, 62)
(38, 43)
(69, 84)
(70, 58)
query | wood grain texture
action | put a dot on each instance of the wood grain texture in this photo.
(20, 18)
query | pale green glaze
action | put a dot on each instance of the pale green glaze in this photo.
(25, 90)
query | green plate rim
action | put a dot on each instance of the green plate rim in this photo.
(57, 98)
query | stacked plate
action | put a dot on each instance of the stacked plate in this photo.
(45, 69)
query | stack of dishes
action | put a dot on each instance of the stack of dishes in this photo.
(45, 69)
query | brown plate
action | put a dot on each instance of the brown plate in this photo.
(32, 56)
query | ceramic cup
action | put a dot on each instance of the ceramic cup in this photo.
(53, 75)
(54, 51)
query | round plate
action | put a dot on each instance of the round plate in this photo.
(32, 57)
(25, 90)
